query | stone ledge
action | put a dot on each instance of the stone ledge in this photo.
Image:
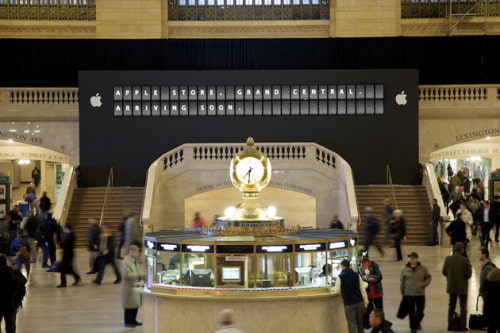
(47, 29)
(249, 29)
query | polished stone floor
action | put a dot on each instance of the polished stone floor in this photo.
(89, 308)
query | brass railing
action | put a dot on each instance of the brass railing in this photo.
(388, 178)
(43, 10)
(109, 185)
(413, 9)
(248, 10)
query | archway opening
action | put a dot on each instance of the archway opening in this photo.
(23, 165)
(297, 208)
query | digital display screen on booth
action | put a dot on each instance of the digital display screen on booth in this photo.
(231, 274)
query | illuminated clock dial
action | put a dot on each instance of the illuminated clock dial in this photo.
(250, 171)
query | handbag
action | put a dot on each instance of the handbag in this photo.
(24, 254)
(56, 267)
(477, 321)
(403, 310)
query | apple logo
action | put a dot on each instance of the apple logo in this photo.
(95, 101)
(401, 98)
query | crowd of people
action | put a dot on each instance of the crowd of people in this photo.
(21, 238)
(364, 302)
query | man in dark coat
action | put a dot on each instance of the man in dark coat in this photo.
(8, 310)
(458, 270)
(68, 244)
(350, 286)
(93, 243)
(492, 291)
(457, 231)
(486, 219)
(435, 214)
(107, 255)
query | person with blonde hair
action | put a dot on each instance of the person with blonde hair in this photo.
(226, 321)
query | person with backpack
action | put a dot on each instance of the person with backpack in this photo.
(12, 292)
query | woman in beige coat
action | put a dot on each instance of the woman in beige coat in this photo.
(131, 296)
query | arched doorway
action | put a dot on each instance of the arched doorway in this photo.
(474, 159)
(23, 165)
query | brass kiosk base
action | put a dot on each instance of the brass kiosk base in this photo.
(192, 313)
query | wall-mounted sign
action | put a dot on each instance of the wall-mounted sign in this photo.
(198, 248)
(310, 247)
(274, 248)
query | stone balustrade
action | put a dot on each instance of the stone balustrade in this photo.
(59, 104)
(62, 103)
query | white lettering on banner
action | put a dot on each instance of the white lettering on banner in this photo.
(477, 134)
(289, 100)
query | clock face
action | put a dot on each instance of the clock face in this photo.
(249, 170)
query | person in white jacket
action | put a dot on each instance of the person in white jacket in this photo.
(467, 218)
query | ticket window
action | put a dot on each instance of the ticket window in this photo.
(311, 269)
(273, 270)
(168, 267)
(235, 271)
(197, 269)
(333, 261)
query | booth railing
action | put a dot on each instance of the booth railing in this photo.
(312, 155)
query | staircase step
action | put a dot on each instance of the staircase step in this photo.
(412, 200)
(88, 203)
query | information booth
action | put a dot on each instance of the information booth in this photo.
(184, 267)
(278, 277)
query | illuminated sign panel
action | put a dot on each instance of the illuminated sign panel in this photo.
(337, 245)
(310, 247)
(198, 248)
(168, 247)
(274, 248)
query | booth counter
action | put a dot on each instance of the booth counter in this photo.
(274, 284)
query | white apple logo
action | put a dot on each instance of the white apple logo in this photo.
(401, 98)
(95, 101)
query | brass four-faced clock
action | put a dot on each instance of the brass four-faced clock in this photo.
(250, 170)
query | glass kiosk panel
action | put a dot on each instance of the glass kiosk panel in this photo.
(197, 267)
(168, 263)
(150, 255)
(336, 252)
(274, 266)
(234, 271)
(310, 262)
